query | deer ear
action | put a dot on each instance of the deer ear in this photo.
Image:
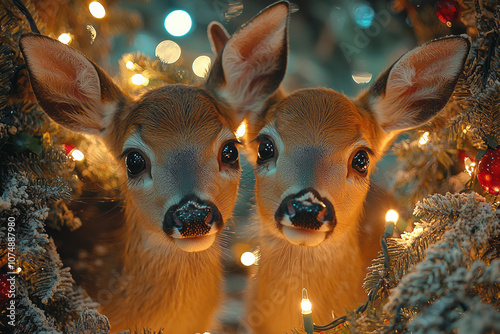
(218, 37)
(71, 89)
(253, 62)
(417, 86)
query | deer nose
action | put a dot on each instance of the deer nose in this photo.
(306, 209)
(192, 217)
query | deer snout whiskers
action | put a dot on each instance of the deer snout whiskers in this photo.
(193, 223)
(306, 218)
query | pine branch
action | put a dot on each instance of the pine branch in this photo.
(54, 280)
(445, 284)
(89, 322)
(32, 319)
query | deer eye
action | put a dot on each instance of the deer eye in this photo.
(361, 161)
(229, 154)
(266, 150)
(135, 163)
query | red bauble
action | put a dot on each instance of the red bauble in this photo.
(448, 11)
(4, 289)
(489, 171)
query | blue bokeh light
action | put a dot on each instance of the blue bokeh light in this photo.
(364, 15)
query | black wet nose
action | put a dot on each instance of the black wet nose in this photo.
(191, 217)
(306, 209)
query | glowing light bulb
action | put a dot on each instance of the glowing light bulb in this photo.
(130, 65)
(240, 132)
(168, 52)
(97, 10)
(391, 216)
(362, 78)
(305, 304)
(178, 23)
(139, 79)
(424, 139)
(247, 259)
(77, 155)
(64, 38)
(201, 66)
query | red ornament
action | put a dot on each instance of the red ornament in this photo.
(448, 11)
(489, 171)
(68, 148)
(4, 289)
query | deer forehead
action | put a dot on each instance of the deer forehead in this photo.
(323, 117)
(176, 116)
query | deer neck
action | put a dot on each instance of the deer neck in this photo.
(173, 285)
(331, 272)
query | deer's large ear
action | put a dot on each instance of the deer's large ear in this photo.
(72, 90)
(218, 37)
(417, 86)
(253, 61)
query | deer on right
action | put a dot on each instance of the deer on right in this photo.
(313, 153)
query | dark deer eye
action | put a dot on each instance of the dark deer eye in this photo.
(360, 162)
(229, 154)
(135, 163)
(266, 150)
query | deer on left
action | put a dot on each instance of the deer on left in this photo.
(178, 148)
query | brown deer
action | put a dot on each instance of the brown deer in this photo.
(314, 151)
(178, 149)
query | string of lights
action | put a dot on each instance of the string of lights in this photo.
(391, 219)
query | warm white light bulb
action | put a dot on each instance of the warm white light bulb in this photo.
(391, 216)
(77, 155)
(247, 258)
(64, 38)
(305, 304)
(97, 10)
(240, 132)
(178, 23)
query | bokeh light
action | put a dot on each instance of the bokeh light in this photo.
(64, 38)
(362, 78)
(77, 155)
(178, 23)
(201, 66)
(97, 10)
(240, 131)
(364, 15)
(248, 258)
(139, 79)
(168, 52)
(424, 139)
